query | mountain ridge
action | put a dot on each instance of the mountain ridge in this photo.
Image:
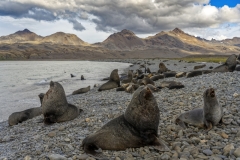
(124, 44)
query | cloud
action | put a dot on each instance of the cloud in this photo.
(140, 16)
(76, 25)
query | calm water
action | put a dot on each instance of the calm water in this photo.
(22, 81)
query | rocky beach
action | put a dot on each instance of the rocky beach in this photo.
(33, 139)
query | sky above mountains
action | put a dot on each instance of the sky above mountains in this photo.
(94, 20)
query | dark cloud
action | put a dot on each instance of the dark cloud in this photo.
(142, 16)
(76, 25)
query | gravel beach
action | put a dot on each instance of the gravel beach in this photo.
(34, 140)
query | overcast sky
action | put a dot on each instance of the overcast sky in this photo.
(94, 20)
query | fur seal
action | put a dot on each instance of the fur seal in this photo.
(162, 68)
(206, 117)
(137, 127)
(152, 88)
(114, 81)
(194, 73)
(146, 81)
(131, 88)
(81, 90)
(237, 68)
(72, 75)
(228, 66)
(169, 74)
(19, 117)
(157, 77)
(180, 74)
(55, 106)
(199, 66)
(82, 77)
(171, 85)
(129, 77)
(41, 95)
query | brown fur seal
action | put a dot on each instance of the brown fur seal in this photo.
(81, 90)
(114, 81)
(228, 66)
(209, 116)
(82, 77)
(162, 68)
(41, 95)
(131, 88)
(199, 66)
(180, 74)
(129, 78)
(152, 88)
(146, 81)
(55, 106)
(157, 77)
(137, 127)
(19, 117)
(194, 73)
(169, 74)
(171, 85)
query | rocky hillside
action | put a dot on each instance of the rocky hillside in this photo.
(124, 41)
(20, 36)
(63, 38)
(125, 44)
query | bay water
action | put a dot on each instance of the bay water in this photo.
(22, 81)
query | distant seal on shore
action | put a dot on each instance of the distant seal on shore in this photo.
(169, 74)
(137, 127)
(41, 95)
(72, 75)
(194, 73)
(81, 90)
(180, 74)
(82, 77)
(157, 77)
(19, 117)
(199, 66)
(114, 81)
(146, 81)
(129, 77)
(171, 85)
(228, 66)
(206, 117)
(55, 106)
(162, 68)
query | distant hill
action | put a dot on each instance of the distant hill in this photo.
(20, 36)
(63, 38)
(124, 41)
(124, 44)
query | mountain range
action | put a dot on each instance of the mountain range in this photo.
(125, 44)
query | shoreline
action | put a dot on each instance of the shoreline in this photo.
(36, 140)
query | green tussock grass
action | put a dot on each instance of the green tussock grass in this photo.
(214, 59)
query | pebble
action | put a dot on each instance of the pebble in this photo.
(52, 134)
(63, 140)
(207, 152)
(227, 149)
(237, 153)
(56, 157)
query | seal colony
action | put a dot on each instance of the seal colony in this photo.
(177, 142)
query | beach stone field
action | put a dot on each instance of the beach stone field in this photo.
(33, 139)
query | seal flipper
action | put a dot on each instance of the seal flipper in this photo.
(93, 149)
(150, 138)
(180, 123)
(160, 145)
